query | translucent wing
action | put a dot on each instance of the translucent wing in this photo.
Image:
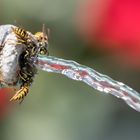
(91, 77)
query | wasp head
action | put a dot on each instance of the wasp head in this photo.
(42, 43)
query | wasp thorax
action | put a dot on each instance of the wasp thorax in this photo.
(42, 42)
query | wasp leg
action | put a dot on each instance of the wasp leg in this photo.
(21, 41)
(20, 94)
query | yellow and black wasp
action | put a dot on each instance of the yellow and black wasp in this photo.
(27, 67)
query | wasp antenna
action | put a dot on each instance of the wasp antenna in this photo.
(17, 23)
(45, 32)
(48, 33)
(44, 29)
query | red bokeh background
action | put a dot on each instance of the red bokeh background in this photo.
(5, 105)
(115, 25)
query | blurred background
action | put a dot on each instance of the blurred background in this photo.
(102, 34)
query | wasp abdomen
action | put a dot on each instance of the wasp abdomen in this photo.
(20, 32)
(20, 94)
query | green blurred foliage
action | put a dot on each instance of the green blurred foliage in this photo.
(58, 108)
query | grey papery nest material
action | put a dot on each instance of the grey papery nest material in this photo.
(9, 55)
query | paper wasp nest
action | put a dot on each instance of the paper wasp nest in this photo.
(9, 56)
(19, 50)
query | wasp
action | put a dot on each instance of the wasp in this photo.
(27, 68)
